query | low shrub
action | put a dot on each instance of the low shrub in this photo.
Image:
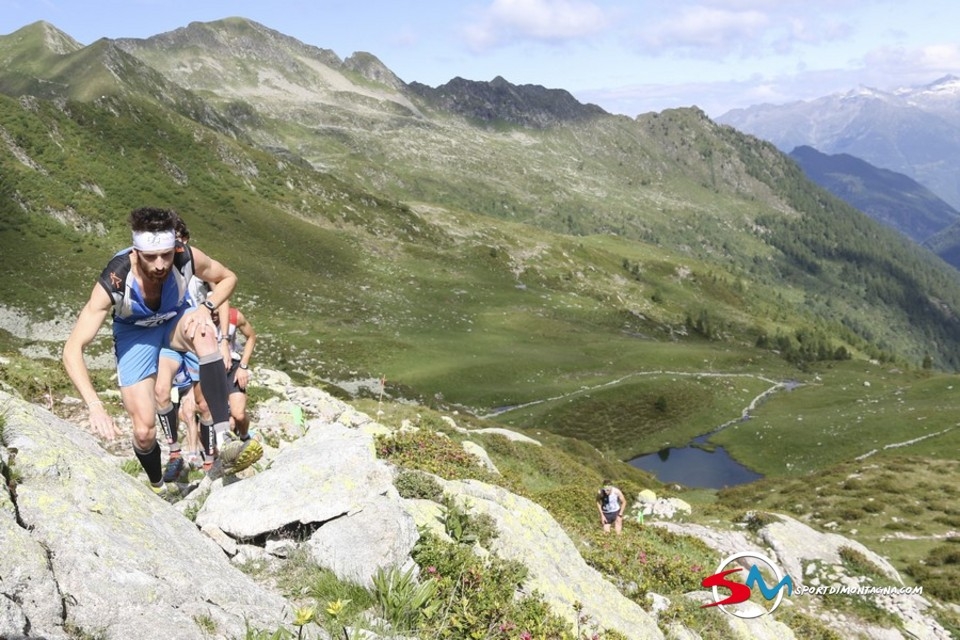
(649, 559)
(873, 506)
(466, 528)
(850, 514)
(414, 484)
(432, 452)
(939, 571)
(708, 624)
(858, 564)
(482, 596)
(806, 627)
(756, 520)
(404, 601)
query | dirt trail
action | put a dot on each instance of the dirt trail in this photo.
(774, 387)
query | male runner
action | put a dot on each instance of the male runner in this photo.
(145, 288)
(238, 377)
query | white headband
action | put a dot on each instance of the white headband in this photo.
(154, 240)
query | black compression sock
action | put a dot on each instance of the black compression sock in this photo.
(213, 383)
(150, 461)
(167, 416)
(176, 423)
(206, 438)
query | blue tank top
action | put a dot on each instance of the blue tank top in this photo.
(129, 306)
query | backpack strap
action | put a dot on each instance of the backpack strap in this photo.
(116, 278)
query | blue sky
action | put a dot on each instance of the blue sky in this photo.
(628, 56)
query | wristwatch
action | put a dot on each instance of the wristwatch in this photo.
(209, 305)
(244, 366)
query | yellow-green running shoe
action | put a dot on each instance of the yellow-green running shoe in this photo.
(236, 454)
(165, 491)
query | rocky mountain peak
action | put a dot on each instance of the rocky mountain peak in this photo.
(57, 41)
(242, 61)
(371, 68)
(948, 84)
(41, 38)
(526, 105)
(189, 49)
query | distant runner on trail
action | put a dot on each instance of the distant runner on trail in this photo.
(611, 504)
(145, 288)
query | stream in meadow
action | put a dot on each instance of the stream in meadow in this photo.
(698, 464)
(702, 465)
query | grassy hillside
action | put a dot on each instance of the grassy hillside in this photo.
(674, 179)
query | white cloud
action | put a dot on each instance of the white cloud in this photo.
(898, 65)
(941, 56)
(704, 28)
(545, 20)
(748, 28)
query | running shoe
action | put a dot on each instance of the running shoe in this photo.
(174, 469)
(194, 460)
(236, 454)
(164, 491)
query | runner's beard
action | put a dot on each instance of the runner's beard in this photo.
(158, 275)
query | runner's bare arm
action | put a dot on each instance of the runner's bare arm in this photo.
(223, 280)
(224, 314)
(91, 317)
(244, 327)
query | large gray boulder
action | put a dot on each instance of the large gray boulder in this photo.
(87, 547)
(332, 470)
(330, 481)
(380, 535)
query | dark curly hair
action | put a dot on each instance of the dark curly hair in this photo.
(153, 219)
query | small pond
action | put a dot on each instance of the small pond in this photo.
(694, 466)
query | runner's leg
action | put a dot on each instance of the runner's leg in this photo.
(138, 400)
(213, 380)
(166, 412)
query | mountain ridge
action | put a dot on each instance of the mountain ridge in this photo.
(526, 105)
(913, 131)
(244, 60)
(889, 197)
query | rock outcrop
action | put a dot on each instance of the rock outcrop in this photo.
(86, 546)
(813, 559)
